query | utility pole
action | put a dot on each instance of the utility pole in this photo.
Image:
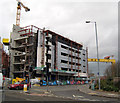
(97, 50)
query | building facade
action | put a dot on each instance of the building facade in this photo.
(1, 48)
(4, 61)
(39, 49)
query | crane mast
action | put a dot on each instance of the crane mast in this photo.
(19, 12)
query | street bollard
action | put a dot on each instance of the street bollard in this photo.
(25, 88)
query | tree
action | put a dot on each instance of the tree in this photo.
(113, 71)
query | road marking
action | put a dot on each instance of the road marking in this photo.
(30, 100)
(91, 93)
(39, 90)
(111, 94)
(77, 96)
(35, 94)
(94, 100)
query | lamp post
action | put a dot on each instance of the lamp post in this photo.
(97, 48)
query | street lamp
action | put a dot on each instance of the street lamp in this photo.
(96, 47)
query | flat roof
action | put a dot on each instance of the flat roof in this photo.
(53, 33)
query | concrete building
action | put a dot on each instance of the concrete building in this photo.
(32, 47)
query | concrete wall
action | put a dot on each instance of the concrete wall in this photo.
(14, 34)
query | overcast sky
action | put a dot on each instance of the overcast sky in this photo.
(67, 18)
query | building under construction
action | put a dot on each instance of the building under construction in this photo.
(34, 49)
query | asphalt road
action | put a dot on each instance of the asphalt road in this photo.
(0, 95)
(58, 93)
(18, 95)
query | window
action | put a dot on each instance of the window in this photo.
(62, 46)
(64, 69)
(63, 54)
(63, 61)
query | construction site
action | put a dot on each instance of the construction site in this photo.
(42, 53)
(39, 49)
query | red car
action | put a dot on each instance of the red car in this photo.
(17, 85)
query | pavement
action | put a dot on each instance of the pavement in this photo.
(85, 89)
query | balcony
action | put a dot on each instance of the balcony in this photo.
(64, 65)
(64, 50)
(64, 58)
(74, 60)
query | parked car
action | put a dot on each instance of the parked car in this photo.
(72, 82)
(59, 82)
(68, 82)
(78, 82)
(18, 85)
(51, 83)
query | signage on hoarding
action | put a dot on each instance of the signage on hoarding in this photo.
(101, 60)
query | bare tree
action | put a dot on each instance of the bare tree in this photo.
(113, 71)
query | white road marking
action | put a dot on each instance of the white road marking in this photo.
(94, 100)
(77, 96)
(30, 100)
(84, 99)
(111, 94)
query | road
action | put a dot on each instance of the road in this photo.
(57, 93)
(0, 95)
(71, 91)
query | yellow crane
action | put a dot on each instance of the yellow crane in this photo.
(19, 4)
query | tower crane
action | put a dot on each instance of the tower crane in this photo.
(19, 11)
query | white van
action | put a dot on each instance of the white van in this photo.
(1, 80)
